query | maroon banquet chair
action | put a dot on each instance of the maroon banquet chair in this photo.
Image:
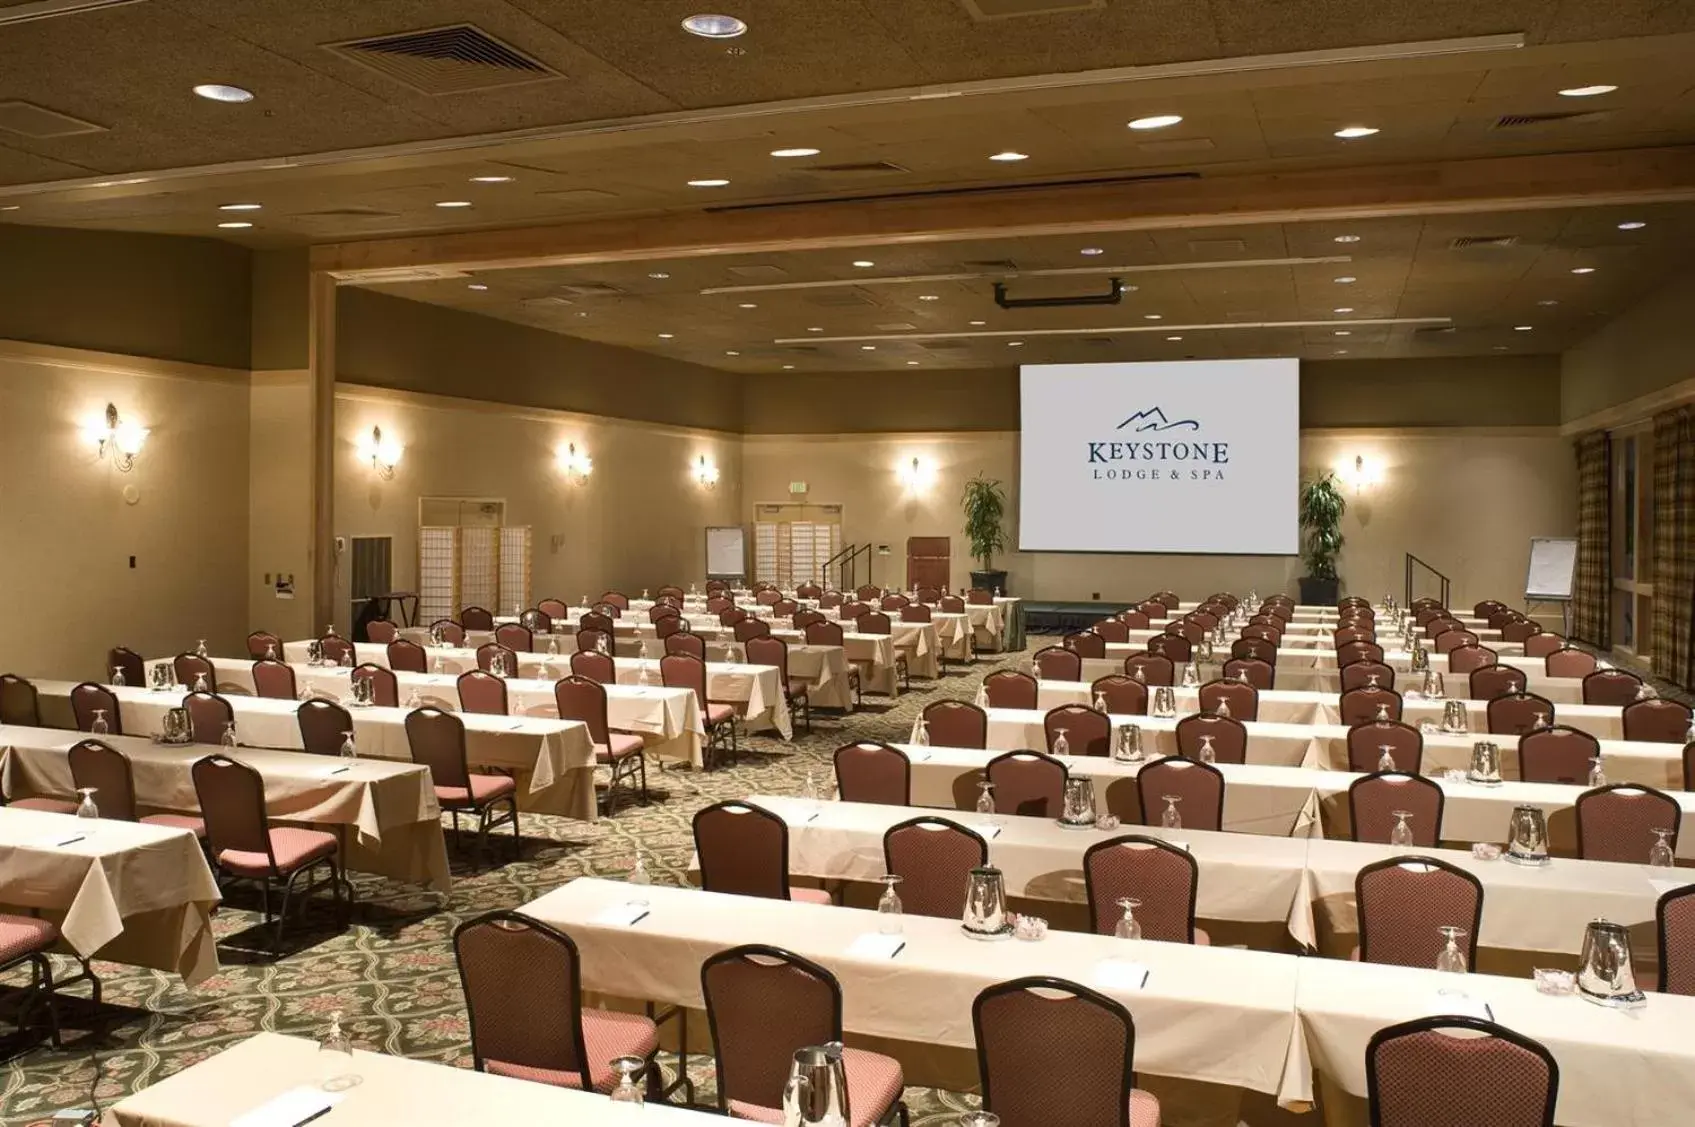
(589, 640)
(1367, 740)
(956, 723)
(1656, 720)
(1451, 640)
(1363, 674)
(1170, 646)
(381, 631)
(1236, 700)
(1358, 651)
(916, 612)
(1155, 670)
(682, 642)
(487, 653)
(405, 656)
(555, 609)
(1162, 876)
(451, 632)
(1491, 681)
(685, 671)
(1086, 644)
(623, 753)
(89, 698)
(1465, 660)
(1617, 822)
(323, 726)
(1253, 649)
(1199, 788)
(743, 850)
(774, 652)
(437, 740)
(118, 658)
(1009, 688)
(1229, 737)
(600, 667)
(933, 858)
(1111, 630)
(1675, 915)
(617, 599)
(1135, 620)
(1121, 695)
(1087, 732)
(1361, 706)
(1056, 663)
(1401, 901)
(1557, 754)
(1521, 630)
(1612, 687)
(874, 772)
(209, 716)
(385, 686)
(482, 692)
(1541, 645)
(1027, 783)
(1419, 1074)
(189, 668)
(1262, 675)
(1518, 714)
(749, 628)
(262, 644)
(108, 771)
(1374, 800)
(1569, 662)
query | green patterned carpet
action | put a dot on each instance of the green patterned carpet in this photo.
(392, 974)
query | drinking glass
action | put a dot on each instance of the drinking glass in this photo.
(228, 738)
(1139, 675)
(986, 802)
(1386, 761)
(1660, 855)
(1382, 713)
(347, 659)
(1223, 708)
(1597, 777)
(1191, 675)
(638, 871)
(1541, 721)
(1452, 959)
(335, 1058)
(1207, 754)
(1061, 745)
(200, 648)
(200, 685)
(922, 738)
(270, 651)
(552, 647)
(413, 700)
(117, 677)
(627, 1091)
(86, 808)
(1100, 703)
(1127, 927)
(349, 749)
(979, 1119)
(889, 907)
(440, 669)
(1171, 819)
(1401, 837)
(98, 725)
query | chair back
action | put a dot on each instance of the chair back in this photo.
(231, 796)
(1354, 634)
(617, 599)
(1358, 674)
(1374, 799)
(1401, 902)
(208, 715)
(1617, 822)
(934, 858)
(1028, 783)
(1056, 663)
(805, 618)
(1261, 674)
(1199, 787)
(405, 656)
(120, 657)
(1675, 915)
(260, 645)
(590, 640)
(1557, 754)
(1009, 688)
(274, 680)
(916, 612)
(523, 996)
(1656, 720)
(956, 723)
(743, 850)
(980, 597)
(766, 650)
(583, 699)
(1228, 734)
(381, 631)
(323, 726)
(451, 632)
(1521, 631)
(1458, 1070)
(594, 620)
(893, 602)
(597, 666)
(660, 611)
(1358, 651)
(486, 654)
(1518, 714)
(1613, 687)
(189, 667)
(684, 671)
(763, 1004)
(1172, 646)
(873, 772)
(1156, 669)
(385, 686)
(336, 649)
(1242, 698)
(823, 633)
(784, 608)
(1569, 662)
(1111, 630)
(1490, 681)
(1161, 875)
(88, 698)
(476, 618)
(437, 740)
(681, 642)
(669, 624)
(1470, 657)
(1123, 696)
(1450, 640)
(482, 692)
(554, 608)
(1032, 1074)
(873, 622)
(107, 770)
(1087, 732)
(1542, 644)
(1086, 644)
(767, 596)
(749, 628)
(831, 599)
(1361, 706)
(515, 637)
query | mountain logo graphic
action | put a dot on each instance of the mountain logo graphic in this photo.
(1153, 419)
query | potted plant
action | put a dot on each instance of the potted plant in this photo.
(1322, 506)
(984, 505)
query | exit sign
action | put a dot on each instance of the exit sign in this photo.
(797, 487)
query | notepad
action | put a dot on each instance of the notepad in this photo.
(331, 772)
(918, 755)
(987, 831)
(59, 840)
(1121, 974)
(1461, 1005)
(627, 914)
(875, 945)
(290, 1109)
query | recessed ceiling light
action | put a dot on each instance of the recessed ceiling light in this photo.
(1173, 338)
(1150, 316)
(1343, 309)
(1009, 156)
(1344, 332)
(1091, 251)
(1345, 280)
(239, 206)
(660, 274)
(1548, 301)
(582, 313)
(476, 286)
(453, 203)
(491, 179)
(912, 363)
(815, 328)
(929, 297)
(1632, 225)
(1354, 132)
(218, 92)
(1015, 344)
(1346, 239)
(666, 336)
(11, 207)
(235, 226)
(794, 152)
(864, 263)
(868, 348)
(731, 352)
(1523, 328)
(1341, 352)
(708, 183)
(1158, 121)
(1583, 270)
(979, 322)
(1500, 348)
(1587, 91)
(710, 26)
(786, 367)
(749, 305)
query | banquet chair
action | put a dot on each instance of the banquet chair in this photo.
(766, 595)
(1087, 732)
(1657, 720)
(1520, 631)
(951, 604)
(1541, 645)
(743, 850)
(1353, 634)
(208, 716)
(522, 983)
(1262, 675)
(733, 616)
(933, 858)
(1482, 1075)
(807, 590)
(681, 642)
(1030, 1067)
(1358, 651)
(1253, 649)
(623, 753)
(486, 654)
(1283, 612)
(323, 726)
(1426, 609)
(1086, 643)
(1265, 618)
(784, 608)
(1519, 713)
(763, 1005)
(717, 587)
(1229, 736)
(893, 601)
(1451, 640)
(594, 620)
(1173, 646)
(1617, 822)
(1027, 783)
(1260, 632)
(1056, 663)
(1135, 619)
(1556, 754)
(337, 650)
(106, 770)
(980, 597)
(1155, 670)
(617, 599)
(437, 740)
(1470, 658)
(1198, 787)
(1613, 687)
(866, 592)
(1501, 619)
(1009, 688)
(869, 771)
(1161, 875)
(1490, 681)
(1360, 706)
(476, 618)
(1167, 599)
(929, 594)
(536, 621)
(831, 599)
(917, 612)
(1122, 696)
(1367, 739)
(452, 633)
(830, 634)
(381, 631)
(89, 698)
(1440, 625)
(244, 846)
(1205, 617)
(1569, 662)
(876, 622)
(659, 611)
(685, 671)
(189, 669)
(804, 618)
(262, 644)
(590, 640)
(718, 604)
(554, 608)
(775, 652)
(274, 680)
(406, 656)
(27, 941)
(1373, 802)
(1401, 901)
(600, 667)
(1674, 914)
(1359, 674)
(956, 723)
(1239, 699)
(1153, 608)
(853, 612)
(119, 658)
(385, 686)
(749, 628)
(516, 638)
(1488, 607)
(1187, 629)
(482, 692)
(1111, 630)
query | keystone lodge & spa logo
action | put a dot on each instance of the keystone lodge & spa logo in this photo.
(1158, 459)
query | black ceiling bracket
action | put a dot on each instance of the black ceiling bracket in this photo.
(1112, 297)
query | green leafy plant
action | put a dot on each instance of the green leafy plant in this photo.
(1322, 506)
(984, 506)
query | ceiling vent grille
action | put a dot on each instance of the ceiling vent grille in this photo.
(983, 10)
(1535, 120)
(445, 60)
(757, 272)
(1431, 331)
(1469, 242)
(350, 213)
(991, 265)
(30, 120)
(945, 345)
(895, 327)
(23, 11)
(859, 168)
(838, 299)
(590, 289)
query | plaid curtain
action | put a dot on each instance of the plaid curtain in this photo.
(1671, 646)
(1590, 604)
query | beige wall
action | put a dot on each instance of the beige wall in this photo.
(638, 521)
(279, 530)
(1468, 501)
(69, 529)
(1648, 348)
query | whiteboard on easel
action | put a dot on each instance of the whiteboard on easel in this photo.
(726, 552)
(1553, 564)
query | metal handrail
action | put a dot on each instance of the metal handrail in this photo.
(835, 561)
(1444, 585)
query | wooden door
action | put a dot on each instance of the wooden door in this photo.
(929, 562)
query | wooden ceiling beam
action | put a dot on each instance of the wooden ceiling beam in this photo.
(1518, 183)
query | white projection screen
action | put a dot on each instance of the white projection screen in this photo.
(1199, 456)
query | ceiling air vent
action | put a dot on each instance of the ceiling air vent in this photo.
(858, 168)
(991, 265)
(981, 10)
(895, 327)
(1534, 120)
(445, 60)
(22, 11)
(590, 289)
(30, 120)
(350, 213)
(757, 273)
(547, 302)
(1097, 340)
(838, 299)
(945, 345)
(1467, 242)
(1431, 331)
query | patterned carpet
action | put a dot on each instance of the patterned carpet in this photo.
(391, 974)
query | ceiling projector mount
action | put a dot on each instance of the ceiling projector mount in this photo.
(1113, 296)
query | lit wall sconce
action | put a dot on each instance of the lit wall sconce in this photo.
(1360, 473)
(915, 474)
(574, 465)
(120, 438)
(705, 472)
(383, 453)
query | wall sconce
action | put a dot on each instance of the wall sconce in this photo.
(121, 438)
(1360, 473)
(705, 472)
(575, 466)
(915, 474)
(383, 453)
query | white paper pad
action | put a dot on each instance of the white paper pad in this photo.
(1461, 1004)
(1120, 974)
(293, 1107)
(875, 945)
(988, 832)
(622, 915)
(61, 839)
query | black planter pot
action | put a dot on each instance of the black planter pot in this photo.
(1320, 592)
(989, 580)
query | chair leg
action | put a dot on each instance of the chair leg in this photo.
(641, 759)
(517, 832)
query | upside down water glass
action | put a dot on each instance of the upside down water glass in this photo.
(1127, 927)
(1660, 854)
(1451, 959)
(986, 802)
(1401, 836)
(1171, 819)
(627, 1091)
(889, 907)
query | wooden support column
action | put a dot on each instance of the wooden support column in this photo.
(322, 344)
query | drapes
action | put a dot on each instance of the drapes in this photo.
(1592, 586)
(1671, 646)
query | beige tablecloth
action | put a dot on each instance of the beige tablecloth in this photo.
(121, 891)
(1287, 745)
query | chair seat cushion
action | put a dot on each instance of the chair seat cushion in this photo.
(293, 847)
(1144, 1108)
(195, 826)
(484, 789)
(622, 746)
(874, 1086)
(1202, 939)
(46, 805)
(607, 1035)
(21, 935)
(719, 714)
(797, 690)
(810, 896)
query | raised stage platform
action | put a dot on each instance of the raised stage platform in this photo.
(1067, 618)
